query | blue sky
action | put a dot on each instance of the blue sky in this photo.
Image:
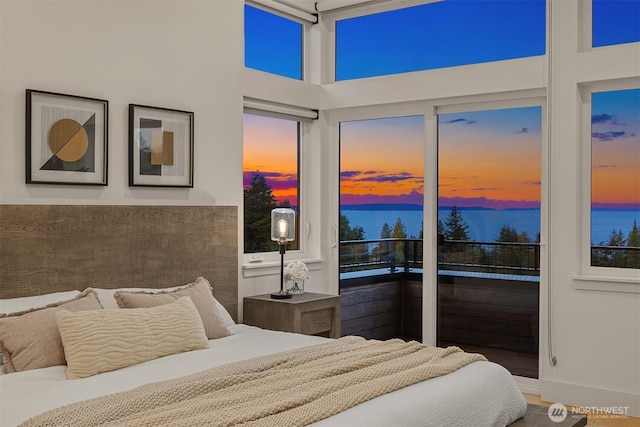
(441, 34)
(615, 22)
(272, 43)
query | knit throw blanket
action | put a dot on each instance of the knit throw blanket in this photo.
(292, 388)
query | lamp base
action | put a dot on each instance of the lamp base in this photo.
(281, 295)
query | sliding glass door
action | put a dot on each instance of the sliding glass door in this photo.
(489, 193)
(381, 212)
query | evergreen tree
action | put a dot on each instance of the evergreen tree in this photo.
(616, 238)
(509, 234)
(259, 201)
(455, 226)
(385, 250)
(347, 232)
(399, 230)
(510, 256)
(633, 239)
(385, 232)
(351, 253)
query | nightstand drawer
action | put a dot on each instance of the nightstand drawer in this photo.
(308, 313)
(318, 321)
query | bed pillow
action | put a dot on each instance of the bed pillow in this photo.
(199, 292)
(108, 300)
(30, 339)
(106, 340)
(14, 305)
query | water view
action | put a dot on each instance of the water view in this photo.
(484, 224)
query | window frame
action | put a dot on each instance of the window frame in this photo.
(330, 18)
(585, 28)
(281, 11)
(268, 263)
(594, 277)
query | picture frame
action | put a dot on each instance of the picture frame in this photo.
(66, 139)
(160, 147)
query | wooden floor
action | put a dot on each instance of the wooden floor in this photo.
(602, 420)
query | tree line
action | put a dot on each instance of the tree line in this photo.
(454, 227)
(259, 201)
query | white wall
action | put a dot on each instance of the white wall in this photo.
(185, 55)
(596, 334)
(189, 55)
(180, 54)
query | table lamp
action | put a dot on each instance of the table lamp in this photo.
(283, 230)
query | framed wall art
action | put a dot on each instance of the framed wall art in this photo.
(160, 147)
(66, 139)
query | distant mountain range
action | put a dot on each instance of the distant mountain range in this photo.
(416, 207)
(400, 207)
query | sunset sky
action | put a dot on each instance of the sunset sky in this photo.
(615, 141)
(392, 170)
(489, 158)
(270, 148)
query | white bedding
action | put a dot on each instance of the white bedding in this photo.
(479, 394)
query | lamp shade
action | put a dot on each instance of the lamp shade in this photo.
(283, 224)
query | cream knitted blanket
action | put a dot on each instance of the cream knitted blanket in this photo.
(295, 387)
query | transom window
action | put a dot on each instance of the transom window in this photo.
(272, 43)
(615, 22)
(440, 34)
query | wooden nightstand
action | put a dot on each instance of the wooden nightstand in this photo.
(311, 314)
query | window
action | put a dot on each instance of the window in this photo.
(436, 35)
(270, 177)
(615, 22)
(272, 43)
(615, 179)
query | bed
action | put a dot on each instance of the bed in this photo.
(478, 393)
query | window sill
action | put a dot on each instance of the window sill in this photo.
(269, 268)
(591, 282)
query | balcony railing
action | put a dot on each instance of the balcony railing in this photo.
(407, 254)
(486, 257)
(615, 256)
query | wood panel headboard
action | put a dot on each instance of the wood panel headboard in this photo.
(52, 248)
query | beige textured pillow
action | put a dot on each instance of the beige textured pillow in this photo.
(30, 339)
(105, 340)
(199, 292)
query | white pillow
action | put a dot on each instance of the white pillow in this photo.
(14, 305)
(108, 300)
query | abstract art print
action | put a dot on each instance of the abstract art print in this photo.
(66, 139)
(160, 147)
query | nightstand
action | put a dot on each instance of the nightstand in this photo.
(309, 313)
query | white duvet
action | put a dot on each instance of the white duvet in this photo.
(477, 395)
